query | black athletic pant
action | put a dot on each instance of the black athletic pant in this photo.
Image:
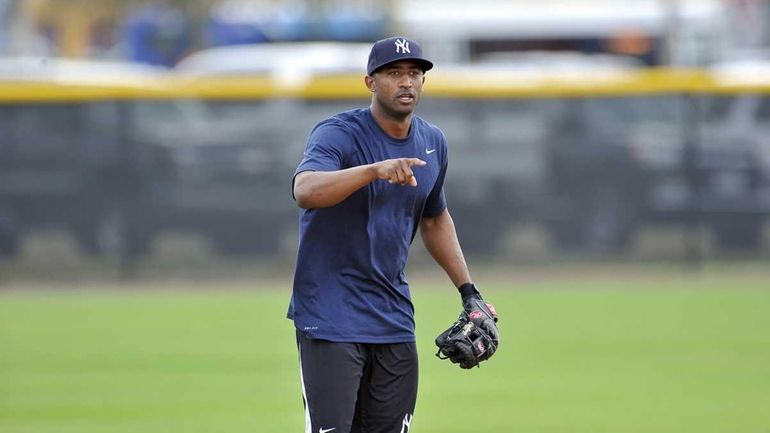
(357, 388)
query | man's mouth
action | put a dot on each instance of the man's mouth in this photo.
(406, 97)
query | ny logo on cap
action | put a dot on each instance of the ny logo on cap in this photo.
(402, 46)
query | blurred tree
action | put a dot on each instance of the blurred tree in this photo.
(88, 28)
(80, 28)
(70, 25)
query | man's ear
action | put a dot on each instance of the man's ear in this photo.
(369, 81)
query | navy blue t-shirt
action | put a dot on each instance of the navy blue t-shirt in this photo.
(349, 284)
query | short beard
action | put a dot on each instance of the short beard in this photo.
(396, 115)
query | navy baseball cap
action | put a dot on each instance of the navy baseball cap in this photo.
(395, 49)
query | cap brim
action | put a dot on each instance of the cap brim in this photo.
(425, 65)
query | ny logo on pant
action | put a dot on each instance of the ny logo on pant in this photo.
(402, 46)
(406, 423)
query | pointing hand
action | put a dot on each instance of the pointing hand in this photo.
(398, 171)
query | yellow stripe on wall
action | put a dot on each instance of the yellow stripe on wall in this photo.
(467, 84)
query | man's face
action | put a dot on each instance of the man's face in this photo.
(397, 88)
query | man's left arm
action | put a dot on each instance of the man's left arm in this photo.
(440, 239)
(474, 337)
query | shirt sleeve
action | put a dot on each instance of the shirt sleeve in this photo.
(326, 149)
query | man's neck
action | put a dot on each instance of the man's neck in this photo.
(397, 128)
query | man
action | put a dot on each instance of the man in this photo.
(369, 178)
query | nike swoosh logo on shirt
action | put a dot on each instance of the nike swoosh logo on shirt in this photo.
(429, 151)
(321, 430)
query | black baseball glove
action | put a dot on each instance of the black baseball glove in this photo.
(473, 338)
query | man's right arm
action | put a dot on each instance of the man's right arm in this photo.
(317, 189)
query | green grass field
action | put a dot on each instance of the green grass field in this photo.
(669, 356)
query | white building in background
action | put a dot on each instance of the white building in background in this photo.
(681, 32)
(747, 25)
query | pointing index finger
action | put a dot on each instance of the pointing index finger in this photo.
(415, 161)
